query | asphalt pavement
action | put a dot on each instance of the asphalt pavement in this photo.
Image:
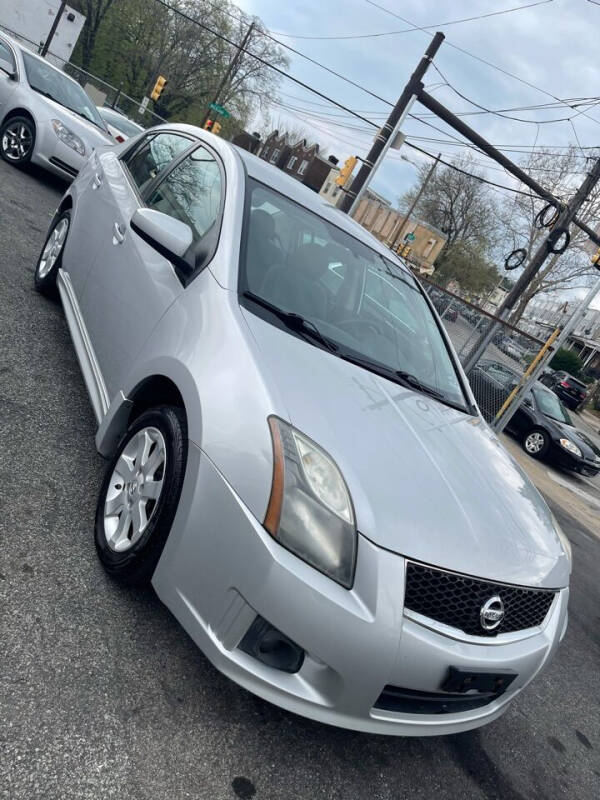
(102, 694)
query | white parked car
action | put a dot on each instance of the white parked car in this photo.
(120, 127)
(45, 117)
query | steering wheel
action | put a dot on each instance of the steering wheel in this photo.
(374, 327)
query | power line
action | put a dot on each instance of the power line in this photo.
(408, 30)
(263, 61)
(476, 57)
(500, 114)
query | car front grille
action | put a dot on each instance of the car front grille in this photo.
(456, 600)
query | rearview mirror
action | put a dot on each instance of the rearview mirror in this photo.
(171, 237)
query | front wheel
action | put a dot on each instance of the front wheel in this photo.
(536, 443)
(140, 494)
(17, 138)
(50, 259)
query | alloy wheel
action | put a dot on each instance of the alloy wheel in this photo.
(134, 489)
(53, 247)
(17, 141)
(534, 443)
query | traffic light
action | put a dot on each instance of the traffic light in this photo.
(405, 251)
(596, 257)
(208, 125)
(216, 127)
(160, 84)
(346, 171)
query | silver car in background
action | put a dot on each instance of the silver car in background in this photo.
(296, 460)
(45, 117)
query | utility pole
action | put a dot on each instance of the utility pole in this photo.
(502, 421)
(384, 136)
(565, 218)
(232, 65)
(398, 235)
(57, 19)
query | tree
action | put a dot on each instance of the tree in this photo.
(466, 264)
(463, 208)
(572, 270)
(459, 205)
(137, 40)
(568, 361)
(95, 11)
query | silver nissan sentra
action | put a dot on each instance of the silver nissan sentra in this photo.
(295, 458)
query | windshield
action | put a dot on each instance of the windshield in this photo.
(550, 405)
(362, 303)
(120, 122)
(52, 83)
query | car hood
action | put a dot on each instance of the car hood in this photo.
(427, 481)
(90, 133)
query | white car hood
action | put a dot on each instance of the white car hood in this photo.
(90, 133)
(427, 481)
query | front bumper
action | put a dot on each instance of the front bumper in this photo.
(571, 461)
(220, 569)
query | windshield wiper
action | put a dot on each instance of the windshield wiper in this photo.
(295, 322)
(415, 383)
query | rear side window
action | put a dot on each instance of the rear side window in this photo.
(153, 155)
(191, 192)
(6, 55)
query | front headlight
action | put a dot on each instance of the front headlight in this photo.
(570, 446)
(68, 137)
(310, 511)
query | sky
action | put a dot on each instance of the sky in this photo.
(551, 45)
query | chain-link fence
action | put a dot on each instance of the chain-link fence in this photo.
(101, 92)
(505, 359)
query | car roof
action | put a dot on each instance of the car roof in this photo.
(277, 179)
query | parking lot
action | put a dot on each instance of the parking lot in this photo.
(103, 695)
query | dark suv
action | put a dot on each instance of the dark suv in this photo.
(571, 391)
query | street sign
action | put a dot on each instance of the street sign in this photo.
(219, 109)
(144, 105)
(410, 237)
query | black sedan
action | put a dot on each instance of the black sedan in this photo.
(542, 423)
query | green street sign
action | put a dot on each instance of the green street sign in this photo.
(219, 109)
(410, 237)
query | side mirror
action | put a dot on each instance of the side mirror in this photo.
(6, 66)
(171, 237)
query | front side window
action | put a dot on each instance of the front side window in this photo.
(7, 56)
(191, 192)
(366, 308)
(52, 83)
(153, 155)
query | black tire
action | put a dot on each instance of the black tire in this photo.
(45, 282)
(136, 565)
(545, 445)
(6, 151)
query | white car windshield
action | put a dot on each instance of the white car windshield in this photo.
(52, 83)
(349, 298)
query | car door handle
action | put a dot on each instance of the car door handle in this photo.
(97, 182)
(118, 233)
